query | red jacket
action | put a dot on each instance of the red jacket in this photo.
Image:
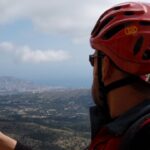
(117, 134)
(105, 141)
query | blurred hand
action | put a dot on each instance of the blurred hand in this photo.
(7, 143)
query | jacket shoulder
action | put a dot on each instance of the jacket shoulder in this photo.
(141, 139)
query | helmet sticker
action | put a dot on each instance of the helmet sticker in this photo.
(131, 30)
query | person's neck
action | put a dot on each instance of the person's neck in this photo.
(123, 99)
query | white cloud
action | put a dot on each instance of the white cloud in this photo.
(28, 55)
(75, 18)
(6, 47)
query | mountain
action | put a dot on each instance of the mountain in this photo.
(45, 117)
(10, 84)
(55, 119)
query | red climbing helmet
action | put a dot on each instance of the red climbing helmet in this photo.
(123, 34)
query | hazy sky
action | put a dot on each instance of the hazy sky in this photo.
(47, 41)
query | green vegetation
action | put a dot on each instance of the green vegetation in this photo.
(57, 120)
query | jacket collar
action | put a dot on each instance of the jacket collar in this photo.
(120, 124)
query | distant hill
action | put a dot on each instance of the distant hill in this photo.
(10, 84)
(44, 117)
(50, 120)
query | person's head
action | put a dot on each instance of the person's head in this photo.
(121, 39)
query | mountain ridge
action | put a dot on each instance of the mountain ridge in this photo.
(10, 84)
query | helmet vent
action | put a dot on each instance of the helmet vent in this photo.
(94, 31)
(129, 13)
(98, 27)
(112, 31)
(138, 45)
(144, 23)
(117, 8)
(146, 55)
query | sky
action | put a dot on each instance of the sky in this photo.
(47, 41)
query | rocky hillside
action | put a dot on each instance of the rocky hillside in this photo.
(57, 120)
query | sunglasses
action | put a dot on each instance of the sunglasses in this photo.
(93, 56)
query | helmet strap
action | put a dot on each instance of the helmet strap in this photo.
(120, 83)
(102, 89)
